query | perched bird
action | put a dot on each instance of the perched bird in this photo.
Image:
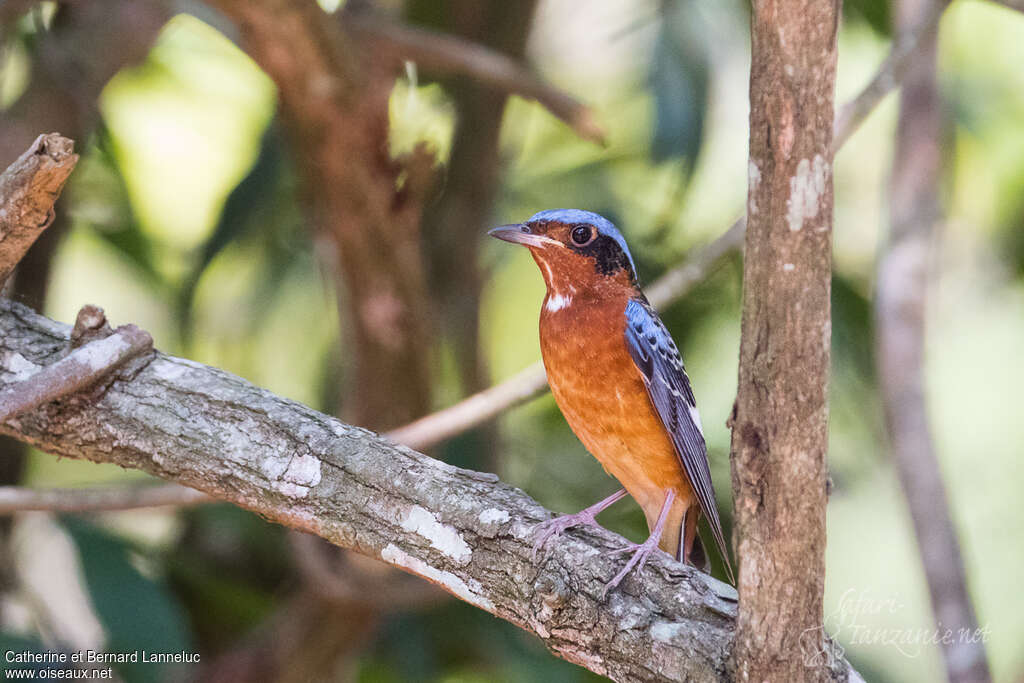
(619, 380)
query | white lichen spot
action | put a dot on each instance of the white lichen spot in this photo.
(666, 631)
(171, 370)
(304, 470)
(788, 267)
(805, 191)
(101, 353)
(442, 537)
(292, 476)
(494, 516)
(446, 580)
(753, 181)
(22, 368)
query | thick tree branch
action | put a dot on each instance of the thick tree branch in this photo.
(462, 530)
(28, 190)
(901, 296)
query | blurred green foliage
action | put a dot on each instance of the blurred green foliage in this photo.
(187, 222)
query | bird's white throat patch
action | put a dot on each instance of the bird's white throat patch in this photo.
(557, 302)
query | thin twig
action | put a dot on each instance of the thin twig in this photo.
(98, 499)
(28, 190)
(890, 74)
(1017, 5)
(76, 371)
(446, 54)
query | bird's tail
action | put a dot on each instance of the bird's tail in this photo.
(680, 538)
(673, 539)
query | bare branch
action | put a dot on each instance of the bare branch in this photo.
(431, 430)
(28, 190)
(464, 531)
(77, 371)
(905, 49)
(1017, 5)
(900, 302)
(97, 499)
(447, 54)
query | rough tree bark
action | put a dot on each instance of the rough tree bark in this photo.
(464, 531)
(28, 190)
(900, 301)
(780, 420)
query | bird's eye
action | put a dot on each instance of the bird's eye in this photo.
(581, 234)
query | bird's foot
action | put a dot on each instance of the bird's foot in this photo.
(641, 552)
(553, 528)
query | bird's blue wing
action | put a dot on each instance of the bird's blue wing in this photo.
(658, 359)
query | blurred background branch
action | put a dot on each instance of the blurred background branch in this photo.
(903, 277)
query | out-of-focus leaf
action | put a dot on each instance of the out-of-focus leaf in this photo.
(228, 571)
(853, 328)
(679, 81)
(1012, 237)
(101, 200)
(251, 198)
(455, 642)
(875, 13)
(137, 612)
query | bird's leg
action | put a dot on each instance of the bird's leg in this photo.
(553, 528)
(643, 550)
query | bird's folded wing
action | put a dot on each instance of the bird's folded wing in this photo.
(658, 359)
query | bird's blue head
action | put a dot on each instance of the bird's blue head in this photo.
(573, 248)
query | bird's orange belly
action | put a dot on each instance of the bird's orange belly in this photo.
(610, 412)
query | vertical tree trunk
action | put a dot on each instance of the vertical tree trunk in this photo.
(900, 311)
(780, 422)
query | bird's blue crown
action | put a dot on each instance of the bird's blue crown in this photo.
(603, 225)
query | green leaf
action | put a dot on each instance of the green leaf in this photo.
(137, 612)
(679, 80)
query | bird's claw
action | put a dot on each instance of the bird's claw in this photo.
(553, 528)
(642, 553)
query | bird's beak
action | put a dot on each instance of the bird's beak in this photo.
(519, 234)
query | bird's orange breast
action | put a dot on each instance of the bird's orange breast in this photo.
(601, 393)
